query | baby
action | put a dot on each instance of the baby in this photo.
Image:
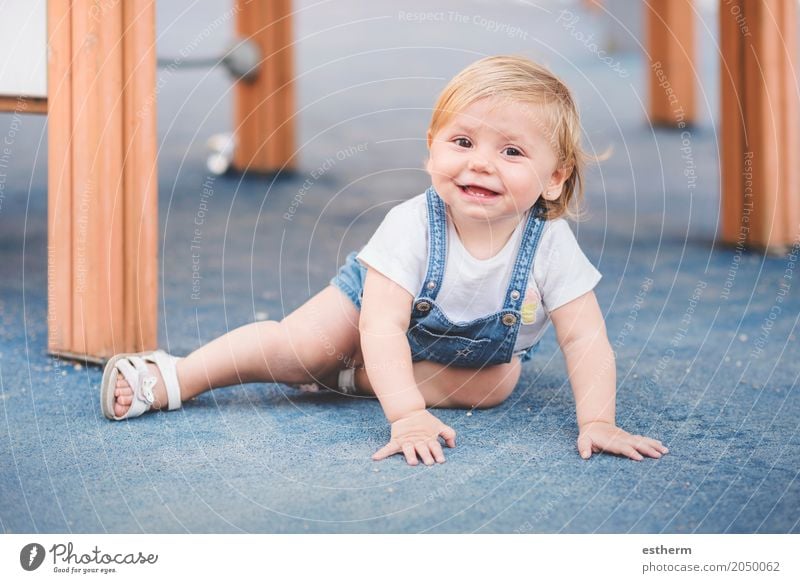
(450, 295)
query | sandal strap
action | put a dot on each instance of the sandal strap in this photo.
(347, 381)
(166, 364)
(142, 386)
(148, 381)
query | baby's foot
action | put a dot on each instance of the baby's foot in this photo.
(123, 393)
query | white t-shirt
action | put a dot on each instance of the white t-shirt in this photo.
(473, 288)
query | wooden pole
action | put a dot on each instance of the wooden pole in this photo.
(141, 177)
(264, 108)
(102, 181)
(759, 131)
(97, 167)
(59, 176)
(671, 47)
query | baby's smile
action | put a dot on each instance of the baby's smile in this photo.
(478, 191)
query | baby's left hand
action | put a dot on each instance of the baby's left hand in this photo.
(600, 436)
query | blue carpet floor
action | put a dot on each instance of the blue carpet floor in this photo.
(705, 336)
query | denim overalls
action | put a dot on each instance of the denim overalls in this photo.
(483, 341)
(431, 335)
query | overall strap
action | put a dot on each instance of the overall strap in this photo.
(437, 245)
(518, 282)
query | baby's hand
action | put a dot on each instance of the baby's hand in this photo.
(601, 436)
(417, 434)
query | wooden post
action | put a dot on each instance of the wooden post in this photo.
(103, 214)
(670, 46)
(59, 176)
(264, 108)
(140, 137)
(760, 137)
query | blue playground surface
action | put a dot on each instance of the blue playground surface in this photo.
(705, 335)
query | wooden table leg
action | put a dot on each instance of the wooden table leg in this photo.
(264, 108)
(760, 137)
(670, 46)
(102, 181)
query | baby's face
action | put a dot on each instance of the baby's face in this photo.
(492, 160)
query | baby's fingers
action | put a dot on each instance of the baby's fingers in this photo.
(648, 446)
(387, 450)
(631, 452)
(647, 449)
(657, 445)
(424, 453)
(585, 447)
(449, 435)
(436, 450)
(411, 455)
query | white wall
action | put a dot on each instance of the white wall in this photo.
(23, 57)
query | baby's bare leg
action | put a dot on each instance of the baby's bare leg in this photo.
(453, 387)
(310, 345)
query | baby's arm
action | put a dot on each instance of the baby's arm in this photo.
(384, 320)
(581, 333)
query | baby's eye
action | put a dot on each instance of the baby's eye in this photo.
(463, 142)
(512, 151)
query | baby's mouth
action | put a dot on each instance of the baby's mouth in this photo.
(477, 190)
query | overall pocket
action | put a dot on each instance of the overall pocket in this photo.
(443, 347)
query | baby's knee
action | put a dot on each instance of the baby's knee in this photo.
(488, 388)
(496, 395)
(274, 343)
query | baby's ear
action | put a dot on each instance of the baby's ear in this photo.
(557, 180)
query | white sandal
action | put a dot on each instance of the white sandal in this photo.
(347, 383)
(133, 367)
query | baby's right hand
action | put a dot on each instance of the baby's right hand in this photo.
(417, 434)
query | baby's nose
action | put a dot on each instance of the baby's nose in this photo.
(479, 163)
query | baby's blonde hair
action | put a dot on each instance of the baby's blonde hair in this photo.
(523, 81)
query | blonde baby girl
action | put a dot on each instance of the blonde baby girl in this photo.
(450, 295)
